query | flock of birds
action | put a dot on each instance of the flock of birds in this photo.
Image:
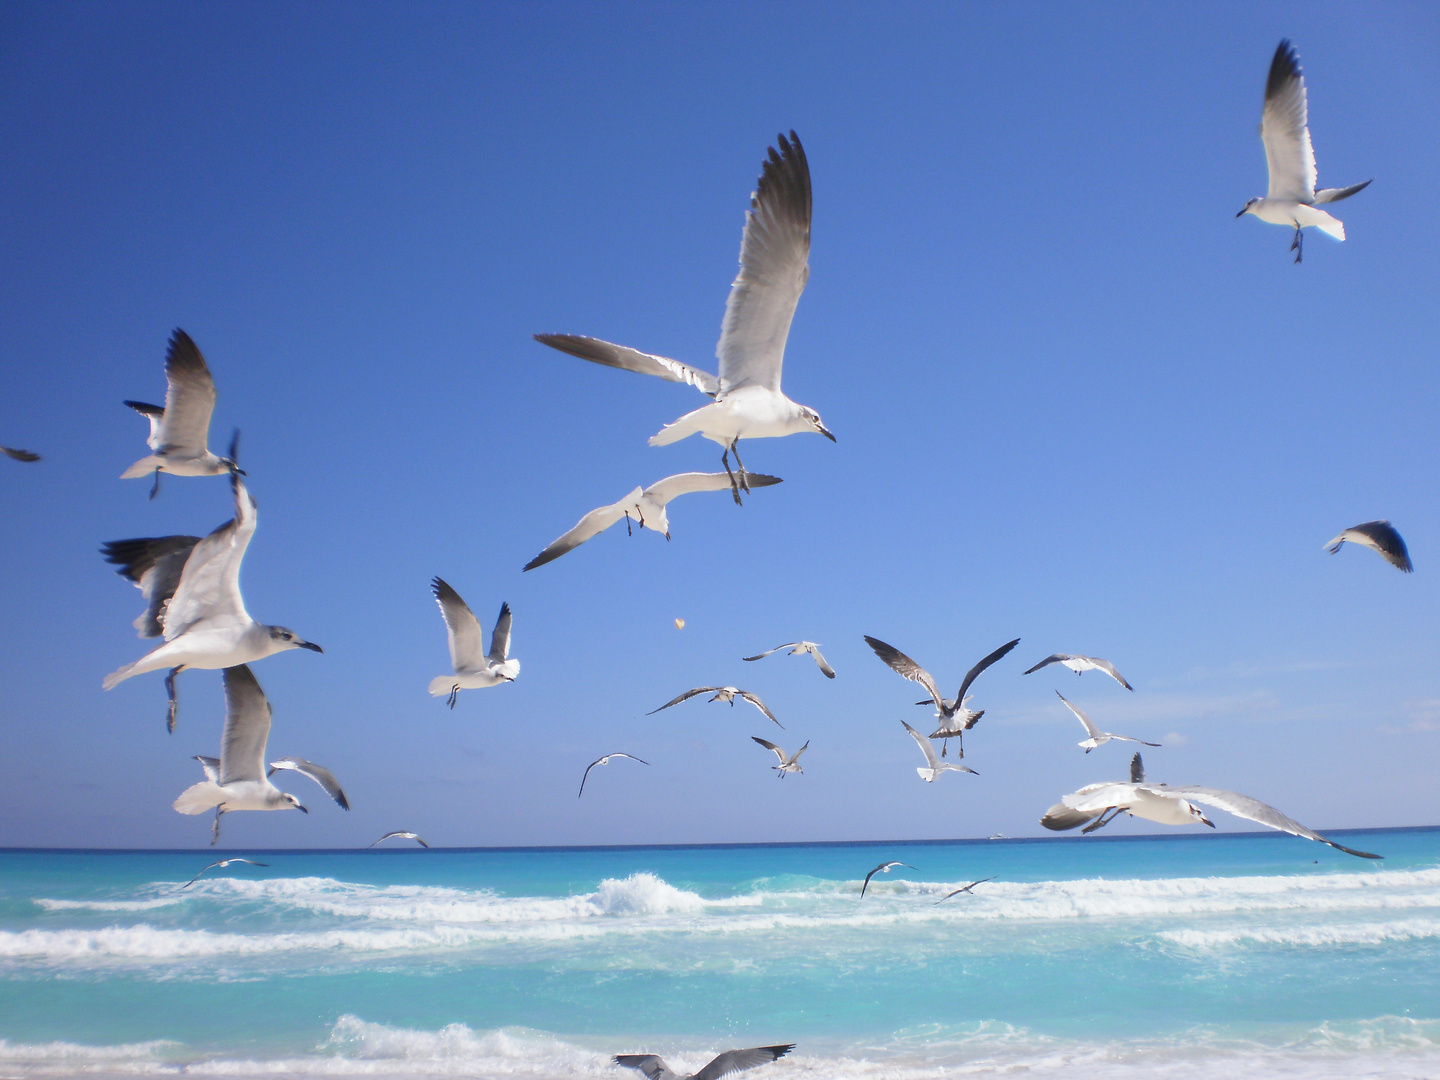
(191, 584)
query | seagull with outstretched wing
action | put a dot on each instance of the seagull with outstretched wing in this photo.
(321, 775)
(798, 647)
(883, 868)
(1378, 536)
(731, 1061)
(222, 864)
(1096, 736)
(788, 762)
(474, 668)
(955, 719)
(722, 693)
(933, 765)
(1080, 665)
(19, 455)
(964, 889)
(403, 834)
(604, 761)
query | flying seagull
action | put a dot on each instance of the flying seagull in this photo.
(192, 593)
(19, 455)
(1079, 664)
(954, 717)
(473, 669)
(798, 647)
(730, 1061)
(1097, 737)
(1381, 536)
(1168, 806)
(179, 432)
(774, 266)
(788, 762)
(237, 781)
(1284, 128)
(604, 761)
(883, 868)
(722, 693)
(935, 765)
(321, 775)
(645, 507)
(222, 864)
(403, 835)
(964, 888)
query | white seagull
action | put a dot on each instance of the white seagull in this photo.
(1284, 127)
(646, 507)
(1380, 536)
(798, 647)
(222, 864)
(604, 761)
(180, 431)
(964, 888)
(954, 717)
(883, 868)
(1079, 664)
(1097, 737)
(192, 592)
(788, 762)
(722, 693)
(731, 1061)
(474, 669)
(403, 834)
(774, 266)
(1168, 806)
(935, 765)
(237, 780)
(19, 455)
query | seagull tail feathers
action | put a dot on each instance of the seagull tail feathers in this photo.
(198, 798)
(440, 685)
(146, 466)
(117, 676)
(683, 428)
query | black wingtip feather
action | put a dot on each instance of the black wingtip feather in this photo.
(1284, 67)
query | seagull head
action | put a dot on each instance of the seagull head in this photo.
(812, 418)
(284, 638)
(293, 803)
(1198, 815)
(1247, 207)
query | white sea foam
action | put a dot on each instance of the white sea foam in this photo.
(1318, 935)
(108, 905)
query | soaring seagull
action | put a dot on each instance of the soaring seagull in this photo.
(731, 1061)
(774, 266)
(722, 693)
(180, 431)
(1096, 736)
(964, 888)
(222, 864)
(797, 647)
(954, 717)
(1168, 806)
(192, 592)
(788, 762)
(474, 669)
(604, 761)
(645, 507)
(1081, 664)
(19, 455)
(403, 834)
(933, 767)
(1285, 130)
(1382, 537)
(883, 868)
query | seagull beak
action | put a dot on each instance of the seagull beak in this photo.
(310, 645)
(823, 430)
(301, 808)
(1243, 212)
(1207, 821)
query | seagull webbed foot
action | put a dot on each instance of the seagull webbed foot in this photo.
(174, 701)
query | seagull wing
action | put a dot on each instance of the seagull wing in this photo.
(1127, 738)
(753, 700)
(825, 668)
(1284, 127)
(321, 775)
(500, 637)
(466, 641)
(1109, 669)
(212, 866)
(247, 727)
(405, 834)
(155, 566)
(592, 524)
(1090, 728)
(981, 666)
(652, 1066)
(620, 356)
(209, 588)
(662, 491)
(737, 1060)
(771, 746)
(189, 399)
(1382, 537)
(906, 667)
(211, 765)
(767, 652)
(19, 455)
(1137, 769)
(686, 696)
(925, 747)
(1053, 658)
(774, 266)
(1255, 810)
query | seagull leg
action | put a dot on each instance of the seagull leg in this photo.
(1101, 821)
(170, 689)
(1298, 244)
(744, 477)
(734, 487)
(215, 828)
(627, 524)
(454, 692)
(155, 489)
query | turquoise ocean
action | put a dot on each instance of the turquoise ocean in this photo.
(1178, 956)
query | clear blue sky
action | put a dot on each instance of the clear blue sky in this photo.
(1076, 402)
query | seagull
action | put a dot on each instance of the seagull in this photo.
(321, 775)
(605, 761)
(1381, 536)
(1080, 664)
(192, 590)
(798, 647)
(722, 693)
(965, 888)
(774, 266)
(473, 669)
(403, 835)
(788, 763)
(730, 1061)
(954, 717)
(179, 432)
(19, 455)
(1284, 128)
(1168, 806)
(646, 507)
(1096, 735)
(237, 780)
(222, 864)
(883, 868)
(936, 767)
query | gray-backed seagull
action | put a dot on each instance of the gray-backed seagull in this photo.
(403, 834)
(774, 266)
(788, 762)
(223, 863)
(474, 668)
(19, 455)
(722, 693)
(883, 868)
(1284, 127)
(1168, 806)
(964, 888)
(797, 647)
(1096, 736)
(180, 432)
(731, 1061)
(604, 761)
(192, 593)
(1379, 536)
(934, 766)
(955, 719)
(645, 507)
(1080, 664)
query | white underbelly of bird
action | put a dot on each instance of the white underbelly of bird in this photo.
(749, 412)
